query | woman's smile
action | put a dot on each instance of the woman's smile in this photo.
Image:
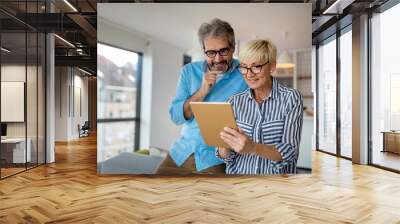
(253, 80)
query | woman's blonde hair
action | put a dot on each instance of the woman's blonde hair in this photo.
(260, 49)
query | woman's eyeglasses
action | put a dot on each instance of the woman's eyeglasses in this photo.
(254, 69)
(221, 52)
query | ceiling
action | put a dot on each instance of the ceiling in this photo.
(76, 24)
(178, 23)
(79, 27)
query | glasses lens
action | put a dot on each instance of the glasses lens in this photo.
(211, 54)
(224, 52)
(256, 69)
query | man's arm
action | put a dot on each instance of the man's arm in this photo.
(209, 80)
(180, 107)
(176, 109)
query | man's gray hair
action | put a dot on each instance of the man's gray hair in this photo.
(216, 28)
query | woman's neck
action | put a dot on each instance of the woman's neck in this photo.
(263, 91)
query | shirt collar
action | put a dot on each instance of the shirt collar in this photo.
(273, 94)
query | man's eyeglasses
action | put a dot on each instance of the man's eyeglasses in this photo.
(221, 52)
(254, 69)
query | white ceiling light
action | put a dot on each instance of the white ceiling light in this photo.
(65, 41)
(70, 5)
(285, 60)
(5, 50)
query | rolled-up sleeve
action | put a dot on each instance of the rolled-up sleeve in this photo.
(289, 146)
(182, 94)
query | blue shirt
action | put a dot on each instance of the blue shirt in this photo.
(191, 140)
(277, 120)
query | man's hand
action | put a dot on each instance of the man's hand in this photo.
(238, 141)
(208, 82)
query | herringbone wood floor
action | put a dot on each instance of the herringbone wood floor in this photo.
(70, 191)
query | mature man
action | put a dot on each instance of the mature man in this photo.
(214, 79)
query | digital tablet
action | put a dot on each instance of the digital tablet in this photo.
(211, 118)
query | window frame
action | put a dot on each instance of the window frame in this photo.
(379, 10)
(137, 118)
(333, 37)
(27, 29)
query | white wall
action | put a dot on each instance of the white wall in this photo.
(116, 35)
(79, 117)
(67, 83)
(12, 73)
(160, 73)
(61, 103)
(167, 62)
(33, 125)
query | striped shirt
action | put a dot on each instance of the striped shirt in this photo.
(277, 120)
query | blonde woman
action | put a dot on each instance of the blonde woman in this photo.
(269, 116)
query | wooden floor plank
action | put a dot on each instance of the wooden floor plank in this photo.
(70, 191)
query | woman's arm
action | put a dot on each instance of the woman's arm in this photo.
(242, 144)
(290, 142)
(281, 153)
(267, 151)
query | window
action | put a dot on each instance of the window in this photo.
(117, 82)
(118, 101)
(22, 75)
(346, 93)
(327, 96)
(385, 89)
(335, 94)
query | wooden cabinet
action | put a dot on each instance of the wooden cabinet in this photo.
(391, 142)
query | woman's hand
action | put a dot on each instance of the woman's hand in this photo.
(238, 141)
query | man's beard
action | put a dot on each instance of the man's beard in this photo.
(221, 66)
